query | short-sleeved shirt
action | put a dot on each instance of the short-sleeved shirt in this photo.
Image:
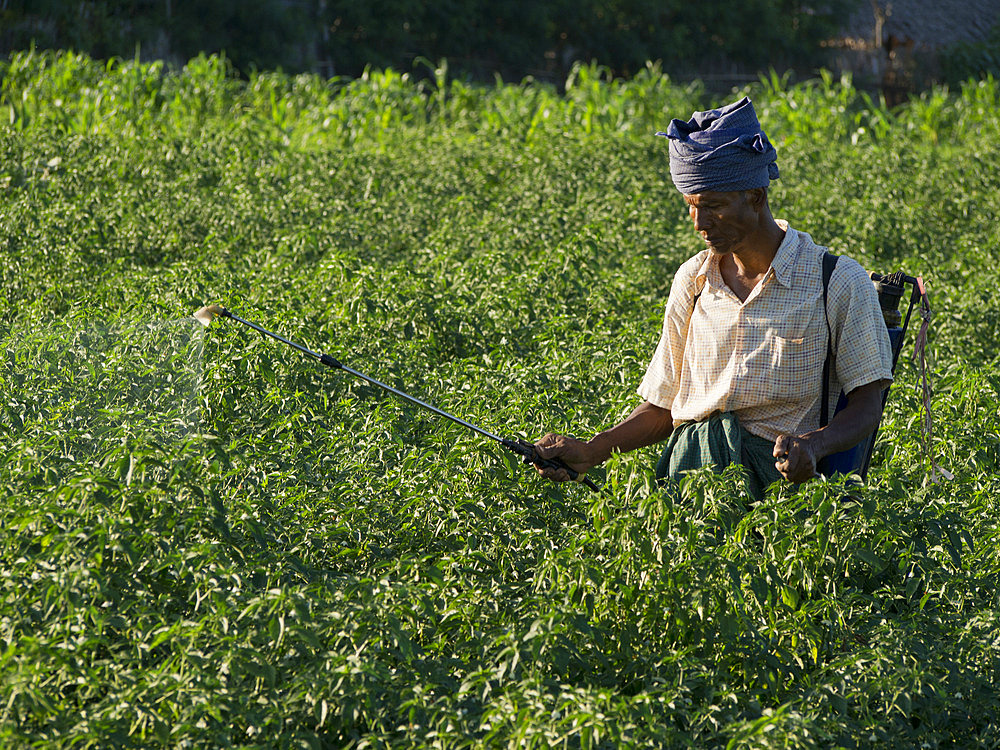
(762, 358)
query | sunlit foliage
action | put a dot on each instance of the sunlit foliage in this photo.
(207, 540)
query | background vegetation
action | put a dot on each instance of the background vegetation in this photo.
(965, 60)
(514, 38)
(208, 540)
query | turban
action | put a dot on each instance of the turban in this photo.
(721, 149)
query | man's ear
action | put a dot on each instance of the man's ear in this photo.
(757, 197)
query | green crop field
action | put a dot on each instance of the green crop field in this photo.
(207, 540)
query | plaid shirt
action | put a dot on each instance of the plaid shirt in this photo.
(763, 358)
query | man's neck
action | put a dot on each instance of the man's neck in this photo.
(754, 256)
(743, 269)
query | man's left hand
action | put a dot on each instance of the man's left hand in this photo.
(795, 458)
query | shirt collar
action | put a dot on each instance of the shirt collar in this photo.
(707, 264)
(785, 257)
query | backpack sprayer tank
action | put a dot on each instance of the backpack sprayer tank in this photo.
(890, 290)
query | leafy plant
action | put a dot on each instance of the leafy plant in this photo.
(208, 540)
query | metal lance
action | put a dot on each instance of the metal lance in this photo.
(521, 447)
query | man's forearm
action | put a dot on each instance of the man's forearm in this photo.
(851, 425)
(797, 455)
(646, 425)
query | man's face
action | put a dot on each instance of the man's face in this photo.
(724, 220)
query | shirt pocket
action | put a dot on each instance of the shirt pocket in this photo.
(796, 366)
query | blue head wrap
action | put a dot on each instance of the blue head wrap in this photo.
(721, 149)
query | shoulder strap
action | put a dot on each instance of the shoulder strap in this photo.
(829, 263)
(699, 287)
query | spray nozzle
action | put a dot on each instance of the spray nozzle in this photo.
(209, 313)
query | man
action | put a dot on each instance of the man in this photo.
(737, 375)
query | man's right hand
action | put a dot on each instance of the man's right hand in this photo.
(646, 425)
(575, 453)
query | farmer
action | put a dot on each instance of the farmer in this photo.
(737, 375)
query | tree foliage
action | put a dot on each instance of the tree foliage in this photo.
(252, 33)
(511, 37)
(965, 60)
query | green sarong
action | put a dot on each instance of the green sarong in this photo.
(719, 441)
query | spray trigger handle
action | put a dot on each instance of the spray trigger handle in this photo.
(530, 456)
(329, 361)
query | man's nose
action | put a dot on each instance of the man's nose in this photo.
(700, 219)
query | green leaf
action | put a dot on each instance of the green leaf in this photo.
(873, 560)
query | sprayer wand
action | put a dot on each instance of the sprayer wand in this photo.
(521, 447)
